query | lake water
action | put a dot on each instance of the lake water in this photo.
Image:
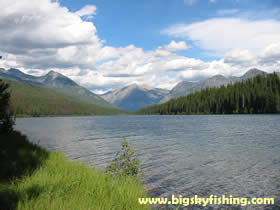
(201, 155)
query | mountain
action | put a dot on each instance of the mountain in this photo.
(252, 73)
(260, 95)
(215, 81)
(58, 82)
(34, 100)
(67, 86)
(134, 97)
(184, 88)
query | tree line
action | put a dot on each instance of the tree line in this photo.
(6, 118)
(257, 95)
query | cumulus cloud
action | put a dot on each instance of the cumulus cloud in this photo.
(43, 33)
(270, 54)
(267, 58)
(240, 56)
(241, 43)
(220, 35)
(134, 61)
(26, 25)
(174, 46)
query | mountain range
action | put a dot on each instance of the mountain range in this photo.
(132, 97)
(58, 83)
(184, 88)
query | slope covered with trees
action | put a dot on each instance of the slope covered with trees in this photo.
(58, 83)
(33, 100)
(260, 94)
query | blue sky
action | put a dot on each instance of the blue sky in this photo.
(140, 23)
(106, 44)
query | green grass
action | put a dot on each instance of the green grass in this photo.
(32, 178)
(33, 100)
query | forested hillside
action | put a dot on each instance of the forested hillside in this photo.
(32, 100)
(260, 94)
(58, 82)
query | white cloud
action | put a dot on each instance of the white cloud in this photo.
(88, 10)
(44, 34)
(41, 24)
(271, 52)
(212, 1)
(220, 35)
(164, 51)
(175, 46)
(240, 56)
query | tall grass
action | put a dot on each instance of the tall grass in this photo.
(49, 181)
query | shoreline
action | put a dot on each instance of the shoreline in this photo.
(134, 114)
(34, 178)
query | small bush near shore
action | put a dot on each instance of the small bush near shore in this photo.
(125, 162)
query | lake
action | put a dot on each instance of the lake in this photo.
(235, 155)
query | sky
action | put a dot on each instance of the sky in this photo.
(110, 44)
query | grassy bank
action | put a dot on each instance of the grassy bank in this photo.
(32, 178)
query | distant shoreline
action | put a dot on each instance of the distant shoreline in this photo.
(133, 114)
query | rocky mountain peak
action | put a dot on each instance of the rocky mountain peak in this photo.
(253, 72)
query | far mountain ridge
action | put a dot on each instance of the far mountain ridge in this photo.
(215, 81)
(34, 100)
(252, 73)
(185, 87)
(58, 82)
(131, 97)
(135, 96)
(55, 79)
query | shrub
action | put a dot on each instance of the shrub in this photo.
(125, 163)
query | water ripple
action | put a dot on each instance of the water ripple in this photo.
(235, 155)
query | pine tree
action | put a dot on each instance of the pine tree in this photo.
(6, 120)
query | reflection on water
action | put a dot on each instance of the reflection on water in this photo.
(235, 155)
